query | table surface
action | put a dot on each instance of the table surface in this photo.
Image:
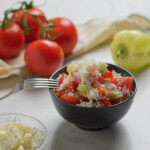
(130, 133)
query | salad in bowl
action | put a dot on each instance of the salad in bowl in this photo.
(90, 84)
(93, 95)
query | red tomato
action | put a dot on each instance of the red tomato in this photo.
(72, 87)
(108, 74)
(100, 78)
(123, 81)
(63, 76)
(69, 99)
(85, 99)
(58, 92)
(11, 41)
(105, 102)
(116, 101)
(69, 88)
(31, 22)
(75, 84)
(43, 57)
(68, 37)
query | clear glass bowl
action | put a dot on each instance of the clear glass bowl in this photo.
(27, 121)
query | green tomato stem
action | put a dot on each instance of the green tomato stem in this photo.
(27, 28)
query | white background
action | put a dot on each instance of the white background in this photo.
(132, 132)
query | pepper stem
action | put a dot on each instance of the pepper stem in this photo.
(121, 52)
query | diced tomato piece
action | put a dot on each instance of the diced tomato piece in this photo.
(108, 74)
(69, 88)
(70, 99)
(58, 92)
(83, 98)
(94, 101)
(105, 102)
(72, 87)
(63, 76)
(94, 75)
(94, 84)
(125, 97)
(123, 81)
(100, 78)
(116, 101)
(75, 84)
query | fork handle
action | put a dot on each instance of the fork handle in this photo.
(10, 93)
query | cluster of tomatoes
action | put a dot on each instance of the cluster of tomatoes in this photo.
(45, 55)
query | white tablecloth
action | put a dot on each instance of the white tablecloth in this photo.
(130, 133)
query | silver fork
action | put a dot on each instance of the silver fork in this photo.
(33, 83)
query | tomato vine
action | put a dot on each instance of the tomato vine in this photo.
(24, 6)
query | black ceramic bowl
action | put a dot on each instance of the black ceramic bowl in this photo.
(93, 118)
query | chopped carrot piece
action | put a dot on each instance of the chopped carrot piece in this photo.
(70, 99)
(71, 73)
(102, 89)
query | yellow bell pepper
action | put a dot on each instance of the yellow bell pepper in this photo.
(131, 49)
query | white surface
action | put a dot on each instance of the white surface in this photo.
(132, 132)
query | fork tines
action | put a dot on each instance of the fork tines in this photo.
(41, 83)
